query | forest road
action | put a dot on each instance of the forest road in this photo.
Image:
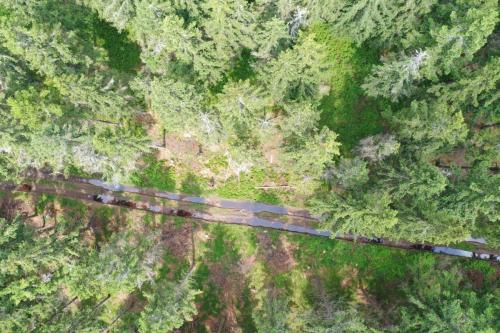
(217, 210)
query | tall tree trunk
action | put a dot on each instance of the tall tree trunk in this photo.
(193, 250)
(122, 312)
(489, 125)
(77, 322)
(55, 314)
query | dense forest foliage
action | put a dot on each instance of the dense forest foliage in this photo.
(381, 116)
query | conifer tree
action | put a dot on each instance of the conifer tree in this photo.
(448, 127)
(272, 314)
(382, 21)
(297, 73)
(440, 301)
(177, 104)
(395, 79)
(366, 213)
(120, 266)
(31, 270)
(170, 305)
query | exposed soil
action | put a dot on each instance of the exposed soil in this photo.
(476, 277)
(180, 150)
(231, 285)
(271, 149)
(245, 265)
(362, 297)
(155, 131)
(177, 239)
(10, 207)
(457, 157)
(279, 257)
(350, 274)
(131, 302)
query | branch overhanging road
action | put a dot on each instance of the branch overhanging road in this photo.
(228, 211)
(250, 206)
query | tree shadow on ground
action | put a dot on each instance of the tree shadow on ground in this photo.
(346, 110)
(123, 54)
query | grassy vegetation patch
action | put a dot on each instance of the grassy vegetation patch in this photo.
(245, 240)
(221, 245)
(72, 204)
(245, 307)
(247, 187)
(155, 174)
(209, 300)
(42, 202)
(346, 110)
(376, 267)
(192, 184)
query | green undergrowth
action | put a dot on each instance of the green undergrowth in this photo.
(373, 266)
(218, 250)
(72, 204)
(346, 110)
(246, 187)
(156, 174)
(208, 299)
(219, 256)
(343, 269)
(77, 172)
(192, 184)
(123, 54)
(105, 216)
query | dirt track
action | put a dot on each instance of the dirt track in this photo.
(213, 210)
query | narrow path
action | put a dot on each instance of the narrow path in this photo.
(238, 212)
(249, 206)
